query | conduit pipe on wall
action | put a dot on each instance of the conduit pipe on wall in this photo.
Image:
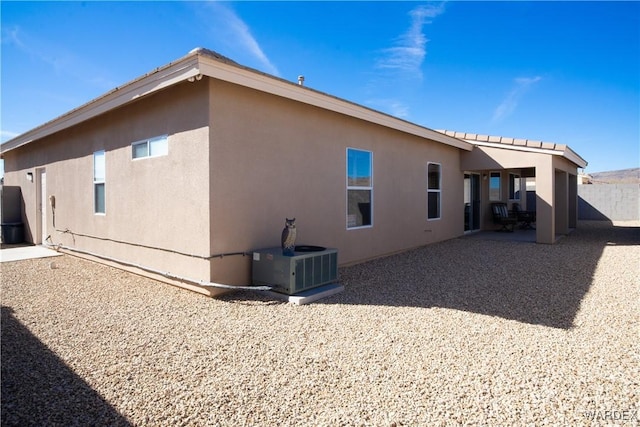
(138, 245)
(163, 273)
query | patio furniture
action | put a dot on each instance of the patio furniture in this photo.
(525, 218)
(501, 216)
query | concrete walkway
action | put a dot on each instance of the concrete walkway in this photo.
(20, 253)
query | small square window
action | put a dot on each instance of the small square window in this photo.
(140, 150)
(158, 147)
(153, 147)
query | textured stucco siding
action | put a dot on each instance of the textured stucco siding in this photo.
(159, 202)
(273, 158)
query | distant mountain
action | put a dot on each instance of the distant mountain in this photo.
(624, 176)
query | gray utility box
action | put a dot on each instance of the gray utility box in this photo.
(293, 274)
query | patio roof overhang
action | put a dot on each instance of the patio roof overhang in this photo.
(203, 62)
(524, 145)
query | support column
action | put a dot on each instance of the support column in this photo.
(561, 202)
(573, 201)
(545, 194)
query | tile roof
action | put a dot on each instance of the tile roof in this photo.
(518, 143)
(505, 140)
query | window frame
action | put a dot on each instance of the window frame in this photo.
(513, 177)
(491, 175)
(99, 181)
(437, 191)
(148, 142)
(368, 188)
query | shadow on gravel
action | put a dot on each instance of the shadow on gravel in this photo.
(39, 389)
(527, 282)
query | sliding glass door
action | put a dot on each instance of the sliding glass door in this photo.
(471, 202)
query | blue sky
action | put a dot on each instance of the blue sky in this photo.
(565, 72)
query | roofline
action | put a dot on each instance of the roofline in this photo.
(160, 78)
(232, 72)
(521, 145)
(201, 62)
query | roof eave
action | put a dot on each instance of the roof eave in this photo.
(204, 62)
(254, 79)
(574, 157)
(565, 152)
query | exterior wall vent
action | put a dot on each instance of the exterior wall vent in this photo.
(293, 274)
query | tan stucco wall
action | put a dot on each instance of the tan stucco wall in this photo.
(273, 158)
(158, 202)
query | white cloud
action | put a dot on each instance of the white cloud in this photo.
(398, 69)
(60, 59)
(512, 99)
(6, 135)
(10, 36)
(390, 106)
(225, 25)
(410, 49)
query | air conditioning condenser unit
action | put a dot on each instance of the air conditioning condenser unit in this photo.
(309, 267)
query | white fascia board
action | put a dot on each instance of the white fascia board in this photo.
(145, 85)
(568, 153)
(275, 86)
(574, 157)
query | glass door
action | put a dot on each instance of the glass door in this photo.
(471, 202)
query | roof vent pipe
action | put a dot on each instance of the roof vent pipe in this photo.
(301, 80)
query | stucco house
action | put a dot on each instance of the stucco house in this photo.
(190, 167)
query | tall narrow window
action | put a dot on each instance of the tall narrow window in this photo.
(434, 190)
(495, 193)
(514, 186)
(99, 182)
(359, 188)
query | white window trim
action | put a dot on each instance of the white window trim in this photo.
(439, 190)
(353, 187)
(148, 142)
(499, 199)
(515, 177)
(98, 181)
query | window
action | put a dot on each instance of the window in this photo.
(359, 188)
(153, 147)
(99, 182)
(434, 189)
(514, 186)
(494, 186)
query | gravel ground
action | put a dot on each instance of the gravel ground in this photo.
(464, 332)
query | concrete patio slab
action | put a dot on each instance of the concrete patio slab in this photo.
(26, 252)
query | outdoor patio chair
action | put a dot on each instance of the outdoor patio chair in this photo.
(502, 217)
(525, 218)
